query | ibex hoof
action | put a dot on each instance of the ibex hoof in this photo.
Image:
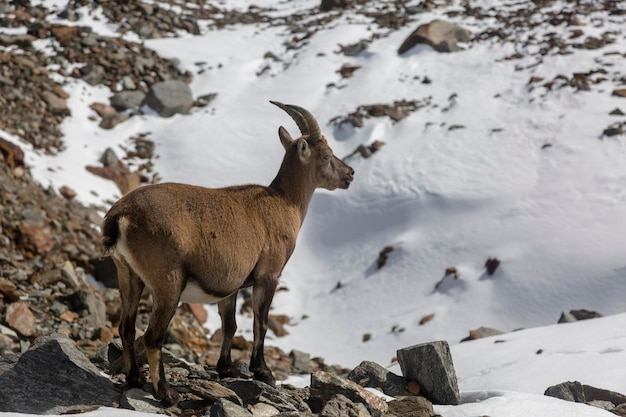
(266, 376)
(169, 397)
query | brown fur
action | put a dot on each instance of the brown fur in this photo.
(168, 235)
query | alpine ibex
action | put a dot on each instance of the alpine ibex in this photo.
(202, 245)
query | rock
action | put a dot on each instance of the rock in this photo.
(411, 407)
(21, 319)
(103, 110)
(621, 92)
(85, 300)
(252, 392)
(576, 315)
(340, 406)
(8, 291)
(568, 391)
(92, 74)
(328, 5)
(169, 97)
(225, 408)
(431, 366)
(212, 391)
(598, 394)
(301, 362)
(482, 332)
(67, 192)
(13, 154)
(37, 239)
(142, 401)
(64, 34)
(372, 375)
(127, 100)
(54, 377)
(276, 323)
(492, 265)
(56, 104)
(264, 410)
(325, 386)
(441, 35)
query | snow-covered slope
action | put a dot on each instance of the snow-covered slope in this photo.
(525, 177)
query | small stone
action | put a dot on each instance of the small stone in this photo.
(620, 92)
(427, 318)
(127, 100)
(492, 265)
(67, 192)
(56, 104)
(103, 110)
(616, 112)
(21, 319)
(38, 239)
(482, 332)
(8, 291)
(411, 407)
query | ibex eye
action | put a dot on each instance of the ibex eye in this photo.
(326, 157)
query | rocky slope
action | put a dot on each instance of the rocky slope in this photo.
(50, 244)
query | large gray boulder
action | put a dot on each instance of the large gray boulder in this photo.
(54, 377)
(431, 366)
(169, 97)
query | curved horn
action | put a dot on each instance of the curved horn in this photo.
(304, 119)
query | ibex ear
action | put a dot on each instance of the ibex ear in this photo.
(285, 138)
(304, 151)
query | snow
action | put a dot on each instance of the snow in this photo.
(555, 217)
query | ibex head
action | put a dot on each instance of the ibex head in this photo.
(313, 151)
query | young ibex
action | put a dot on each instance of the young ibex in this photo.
(202, 245)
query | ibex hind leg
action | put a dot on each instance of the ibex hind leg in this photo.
(227, 308)
(165, 304)
(131, 288)
(262, 295)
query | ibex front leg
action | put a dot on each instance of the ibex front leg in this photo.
(262, 295)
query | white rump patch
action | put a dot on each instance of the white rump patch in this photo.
(194, 294)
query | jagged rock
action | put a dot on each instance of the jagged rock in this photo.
(568, 391)
(127, 100)
(340, 406)
(373, 375)
(170, 97)
(411, 407)
(21, 319)
(253, 392)
(576, 315)
(54, 377)
(225, 408)
(325, 386)
(441, 35)
(430, 365)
